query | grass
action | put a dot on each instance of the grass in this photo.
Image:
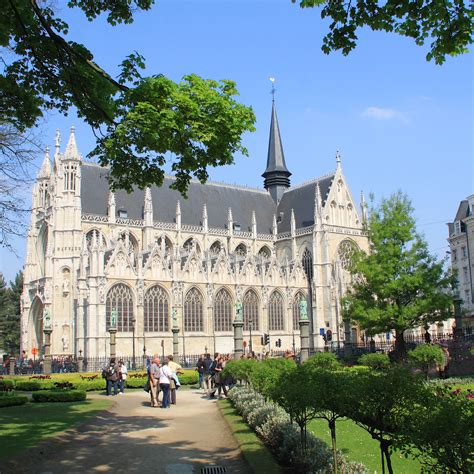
(358, 445)
(255, 453)
(25, 426)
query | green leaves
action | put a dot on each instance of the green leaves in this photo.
(399, 284)
(447, 24)
(196, 121)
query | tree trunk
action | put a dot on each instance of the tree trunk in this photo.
(400, 346)
(385, 445)
(383, 458)
(332, 427)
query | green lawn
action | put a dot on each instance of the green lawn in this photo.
(255, 453)
(24, 426)
(358, 445)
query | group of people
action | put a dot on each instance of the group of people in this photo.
(211, 377)
(163, 376)
(115, 374)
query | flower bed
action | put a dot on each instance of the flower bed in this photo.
(59, 396)
(272, 424)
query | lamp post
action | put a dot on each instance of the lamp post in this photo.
(250, 342)
(294, 347)
(133, 343)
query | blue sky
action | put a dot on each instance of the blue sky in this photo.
(398, 121)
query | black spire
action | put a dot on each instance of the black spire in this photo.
(276, 175)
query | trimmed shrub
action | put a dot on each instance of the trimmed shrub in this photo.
(426, 356)
(12, 400)
(6, 385)
(59, 396)
(324, 360)
(375, 361)
(26, 386)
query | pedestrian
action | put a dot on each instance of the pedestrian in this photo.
(219, 379)
(123, 376)
(200, 370)
(113, 373)
(176, 370)
(155, 380)
(165, 380)
(207, 364)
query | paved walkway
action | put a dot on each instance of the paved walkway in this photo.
(133, 437)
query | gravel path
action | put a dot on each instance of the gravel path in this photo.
(133, 437)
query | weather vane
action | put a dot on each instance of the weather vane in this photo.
(272, 80)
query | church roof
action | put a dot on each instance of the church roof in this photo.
(463, 210)
(300, 198)
(217, 197)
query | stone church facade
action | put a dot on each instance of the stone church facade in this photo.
(144, 256)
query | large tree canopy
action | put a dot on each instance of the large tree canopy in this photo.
(398, 285)
(141, 121)
(448, 25)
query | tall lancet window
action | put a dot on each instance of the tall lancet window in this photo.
(70, 170)
(119, 304)
(250, 308)
(156, 310)
(223, 311)
(307, 261)
(275, 312)
(44, 194)
(296, 310)
(193, 318)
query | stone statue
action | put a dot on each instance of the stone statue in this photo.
(65, 285)
(65, 341)
(174, 317)
(303, 309)
(46, 320)
(113, 318)
(238, 311)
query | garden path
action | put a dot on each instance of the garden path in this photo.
(133, 437)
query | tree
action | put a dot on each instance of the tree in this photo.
(426, 356)
(17, 150)
(449, 24)
(398, 285)
(141, 121)
(10, 311)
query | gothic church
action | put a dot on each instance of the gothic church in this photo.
(144, 256)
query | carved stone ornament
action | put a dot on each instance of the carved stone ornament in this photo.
(238, 292)
(210, 292)
(265, 295)
(140, 291)
(102, 290)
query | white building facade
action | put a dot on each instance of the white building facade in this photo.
(91, 252)
(461, 243)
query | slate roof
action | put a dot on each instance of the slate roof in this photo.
(218, 198)
(301, 199)
(463, 210)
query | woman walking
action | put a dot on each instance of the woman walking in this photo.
(165, 380)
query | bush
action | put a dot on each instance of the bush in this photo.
(26, 386)
(426, 356)
(6, 385)
(59, 396)
(375, 361)
(324, 360)
(12, 400)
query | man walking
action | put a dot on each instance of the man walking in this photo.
(176, 369)
(206, 367)
(155, 380)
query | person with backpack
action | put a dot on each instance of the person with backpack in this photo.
(123, 376)
(113, 374)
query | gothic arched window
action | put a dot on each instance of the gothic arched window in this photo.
(250, 309)
(264, 252)
(223, 311)
(216, 247)
(190, 244)
(99, 236)
(275, 312)
(120, 301)
(345, 254)
(241, 250)
(307, 261)
(70, 170)
(193, 317)
(156, 310)
(296, 309)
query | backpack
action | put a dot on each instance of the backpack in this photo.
(212, 368)
(104, 373)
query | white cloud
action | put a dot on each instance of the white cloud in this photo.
(380, 113)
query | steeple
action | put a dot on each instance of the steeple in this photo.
(45, 171)
(72, 152)
(276, 174)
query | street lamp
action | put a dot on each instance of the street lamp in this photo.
(133, 342)
(250, 342)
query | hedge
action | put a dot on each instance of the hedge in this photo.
(12, 400)
(59, 396)
(6, 385)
